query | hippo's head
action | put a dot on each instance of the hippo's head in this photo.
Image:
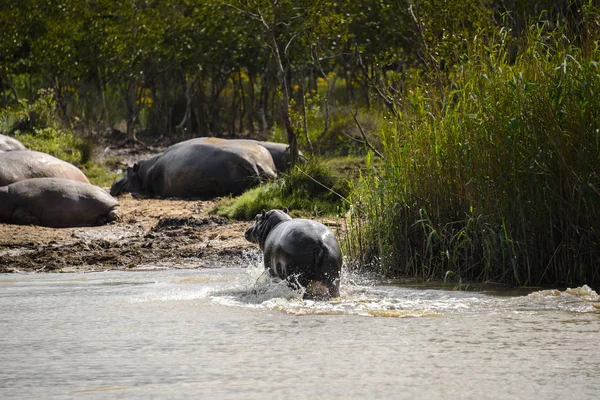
(130, 182)
(263, 223)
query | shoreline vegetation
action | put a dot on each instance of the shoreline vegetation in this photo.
(459, 142)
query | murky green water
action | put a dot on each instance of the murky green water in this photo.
(227, 334)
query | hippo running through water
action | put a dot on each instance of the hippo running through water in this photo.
(301, 251)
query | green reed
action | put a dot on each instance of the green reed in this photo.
(493, 170)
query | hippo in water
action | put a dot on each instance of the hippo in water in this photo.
(301, 251)
(8, 143)
(24, 164)
(199, 170)
(279, 151)
(56, 203)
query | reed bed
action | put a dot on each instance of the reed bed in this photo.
(492, 172)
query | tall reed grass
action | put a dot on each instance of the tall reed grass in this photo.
(493, 170)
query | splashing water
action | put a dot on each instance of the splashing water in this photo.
(253, 288)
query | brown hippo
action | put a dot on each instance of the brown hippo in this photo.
(199, 170)
(56, 203)
(8, 143)
(278, 151)
(24, 164)
(301, 251)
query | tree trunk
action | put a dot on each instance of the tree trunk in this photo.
(285, 95)
(252, 103)
(188, 105)
(304, 113)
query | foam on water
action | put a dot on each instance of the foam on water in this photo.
(252, 288)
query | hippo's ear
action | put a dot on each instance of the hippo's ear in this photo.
(285, 210)
(264, 213)
(136, 167)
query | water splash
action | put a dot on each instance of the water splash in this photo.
(580, 299)
(251, 287)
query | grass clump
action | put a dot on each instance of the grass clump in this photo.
(493, 171)
(313, 188)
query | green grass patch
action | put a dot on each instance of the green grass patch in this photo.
(311, 189)
(99, 175)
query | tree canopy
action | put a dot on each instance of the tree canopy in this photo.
(223, 67)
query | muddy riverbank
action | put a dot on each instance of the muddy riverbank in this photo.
(153, 233)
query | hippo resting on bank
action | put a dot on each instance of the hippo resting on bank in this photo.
(279, 151)
(199, 170)
(8, 143)
(300, 251)
(24, 164)
(56, 203)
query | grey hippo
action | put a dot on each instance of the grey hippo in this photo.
(301, 251)
(8, 143)
(56, 203)
(279, 151)
(24, 164)
(199, 170)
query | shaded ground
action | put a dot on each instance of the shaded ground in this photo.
(153, 233)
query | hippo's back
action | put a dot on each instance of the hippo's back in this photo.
(19, 165)
(296, 236)
(8, 143)
(58, 202)
(202, 170)
(305, 250)
(251, 150)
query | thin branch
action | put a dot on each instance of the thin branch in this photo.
(364, 135)
(326, 187)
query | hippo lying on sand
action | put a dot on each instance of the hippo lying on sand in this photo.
(57, 203)
(23, 164)
(199, 170)
(279, 151)
(8, 143)
(301, 251)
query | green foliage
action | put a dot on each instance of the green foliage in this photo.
(99, 174)
(57, 142)
(40, 131)
(496, 176)
(308, 189)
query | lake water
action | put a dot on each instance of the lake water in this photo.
(231, 334)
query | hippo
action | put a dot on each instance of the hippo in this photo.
(8, 143)
(301, 251)
(199, 170)
(24, 164)
(56, 203)
(279, 151)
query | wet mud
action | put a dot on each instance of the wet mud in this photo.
(153, 233)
